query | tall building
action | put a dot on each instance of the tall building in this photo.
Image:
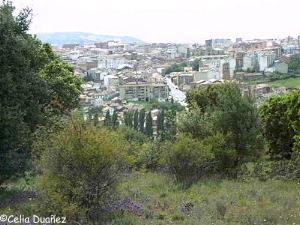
(144, 91)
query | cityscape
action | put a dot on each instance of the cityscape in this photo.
(129, 112)
(120, 76)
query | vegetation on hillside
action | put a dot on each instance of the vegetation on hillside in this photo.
(222, 161)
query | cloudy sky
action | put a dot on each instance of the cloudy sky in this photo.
(186, 21)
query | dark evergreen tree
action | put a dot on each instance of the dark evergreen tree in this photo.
(114, 120)
(142, 121)
(170, 127)
(160, 126)
(136, 120)
(149, 125)
(107, 120)
(128, 119)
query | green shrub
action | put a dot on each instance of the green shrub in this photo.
(280, 119)
(80, 167)
(188, 158)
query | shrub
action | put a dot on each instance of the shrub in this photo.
(80, 167)
(280, 119)
(188, 159)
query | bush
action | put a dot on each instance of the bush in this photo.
(80, 166)
(188, 159)
(280, 119)
(264, 170)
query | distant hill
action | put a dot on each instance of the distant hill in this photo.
(60, 38)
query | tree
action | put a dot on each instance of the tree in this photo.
(136, 120)
(80, 169)
(294, 63)
(280, 119)
(160, 126)
(195, 65)
(107, 120)
(176, 67)
(128, 119)
(149, 125)
(231, 113)
(142, 120)
(35, 86)
(170, 129)
(114, 120)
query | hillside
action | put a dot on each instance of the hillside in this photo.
(60, 38)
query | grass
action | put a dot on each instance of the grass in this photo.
(211, 201)
(207, 202)
(288, 83)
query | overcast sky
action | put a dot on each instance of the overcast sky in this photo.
(186, 21)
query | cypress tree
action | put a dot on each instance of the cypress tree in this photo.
(160, 125)
(142, 121)
(136, 120)
(128, 119)
(149, 125)
(114, 120)
(107, 120)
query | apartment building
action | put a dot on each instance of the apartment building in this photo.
(144, 91)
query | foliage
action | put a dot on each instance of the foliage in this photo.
(280, 119)
(170, 130)
(188, 158)
(142, 120)
(107, 119)
(150, 155)
(195, 65)
(294, 63)
(136, 120)
(176, 67)
(161, 125)
(222, 109)
(34, 86)
(80, 167)
(128, 118)
(266, 170)
(149, 125)
(114, 120)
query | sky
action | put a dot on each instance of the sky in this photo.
(181, 21)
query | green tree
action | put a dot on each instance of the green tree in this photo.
(35, 86)
(280, 119)
(161, 126)
(114, 120)
(142, 120)
(170, 129)
(136, 120)
(231, 113)
(195, 65)
(149, 125)
(294, 63)
(107, 119)
(128, 119)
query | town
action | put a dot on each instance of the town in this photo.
(120, 77)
